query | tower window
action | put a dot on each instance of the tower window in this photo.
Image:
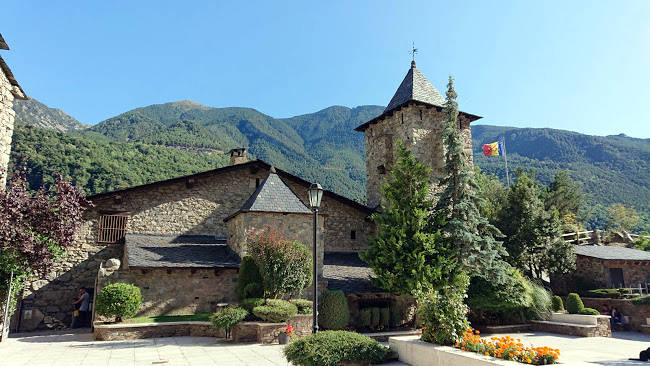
(353, 234)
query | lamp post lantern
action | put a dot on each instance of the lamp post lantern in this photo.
(315, 195)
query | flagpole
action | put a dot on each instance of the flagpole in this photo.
(505, 158)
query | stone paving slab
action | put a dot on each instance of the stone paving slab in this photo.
(75, 349)
(589, 351)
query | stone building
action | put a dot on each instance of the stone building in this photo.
(602, 266)
(9, 90)
(181, 240)
(414, 116)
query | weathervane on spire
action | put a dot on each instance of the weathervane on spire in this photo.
(413, 51)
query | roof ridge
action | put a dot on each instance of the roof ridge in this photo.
(415, 86)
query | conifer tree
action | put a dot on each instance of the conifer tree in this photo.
(459, 203)
(408, 254)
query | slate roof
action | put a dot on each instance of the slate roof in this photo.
(612, 252)
(273, 195)
(415, 86)
(17, 91)
(179, 251)
(347, 272)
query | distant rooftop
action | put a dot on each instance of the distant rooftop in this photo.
(179, 251)
(612, 253)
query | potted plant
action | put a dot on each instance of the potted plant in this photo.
(285, 334)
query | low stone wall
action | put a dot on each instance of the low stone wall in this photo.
(126, 331)
(260, 332)
(576, 325)
(637, 315)
(413, 351)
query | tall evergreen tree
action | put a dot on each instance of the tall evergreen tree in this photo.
(459, 203)
(408, 254)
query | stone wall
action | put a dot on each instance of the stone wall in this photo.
(260, 332)
(418, 128)
(342, 219)
(7, 115)
(177, 291)
(637, 315)
(125, 331)
(297, 227)
(598, 271)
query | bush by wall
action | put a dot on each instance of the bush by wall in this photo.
(611, 293)
(249, 281)
(227, 318)
(374, 319)
(304, 306)
(443, 315)
(249, 304)
(365, 318)
(642, 300)
(557, 303)
(589, 311)
(574, 303)
(119, 300)
(384, 318)
(332, 348)
(275, 311)
(333, 311)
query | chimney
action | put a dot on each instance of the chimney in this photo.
(238, 156)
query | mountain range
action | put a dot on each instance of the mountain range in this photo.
(165, 140)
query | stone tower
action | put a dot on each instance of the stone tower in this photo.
(9, 90)
(238, 156)
(413, 116)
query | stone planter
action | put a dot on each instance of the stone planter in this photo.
(260, 332)
(283, 338)
(413, 351)
(128, 331)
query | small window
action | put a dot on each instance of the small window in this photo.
(353, 235)
(112, 227)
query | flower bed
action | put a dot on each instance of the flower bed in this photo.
(507, 348)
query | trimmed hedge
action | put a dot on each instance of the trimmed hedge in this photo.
(251, 303)
(249, 281)
(304, 306)
(641, 300)
(331, 348)
(120, 300)
(589, 311)
(365, 318)
(574, 303)
(333, 311)
(275, 311)
(374, 320)
(384, 318)
(227, 318)
(556, 303)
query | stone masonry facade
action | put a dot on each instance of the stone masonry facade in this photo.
(7, 115)
(598, 270)
(419, 128)
(295, 227)
(196, 205)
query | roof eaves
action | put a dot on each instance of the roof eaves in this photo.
(16, 90)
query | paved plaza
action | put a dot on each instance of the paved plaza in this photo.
(583, 351)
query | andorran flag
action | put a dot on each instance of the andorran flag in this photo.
(493, 149)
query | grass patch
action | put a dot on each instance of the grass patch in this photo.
(201, 317)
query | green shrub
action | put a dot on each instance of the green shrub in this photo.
(333, 311)
(641, 300)
(304, 306)
(443, 315)
(541, 305)
(384, 318)
(332, 348)
(610, 293)
(395, 316)
(285, 266)
(275, 311)
(557, 303)
(374, 317)
(249, 274)
(120, 300)
(574, 303)
(365, 318)
(249, 304)
(589, 311)
(227, 318)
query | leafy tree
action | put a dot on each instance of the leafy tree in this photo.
(285, 266)
(566, 196)
(622, 218)
(643, 242)
(459, 203)
(533, 234)
(493, 192)
(408, 255)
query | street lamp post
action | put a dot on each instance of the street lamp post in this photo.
(315, 195)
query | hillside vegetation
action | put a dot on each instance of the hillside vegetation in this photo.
(166, 140)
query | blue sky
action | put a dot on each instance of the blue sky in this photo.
(576, 65)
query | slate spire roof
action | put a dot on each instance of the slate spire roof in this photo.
(415, 87)
(273, 195)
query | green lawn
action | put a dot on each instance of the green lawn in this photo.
(203, 317)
